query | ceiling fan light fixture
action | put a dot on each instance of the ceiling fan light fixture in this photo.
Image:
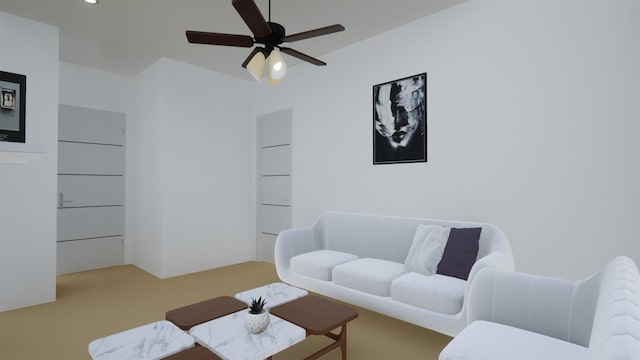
(92, 2)
(255, 67)
(277, 66)
(272, 81)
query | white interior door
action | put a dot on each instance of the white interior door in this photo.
(90, 189)
(274, 179)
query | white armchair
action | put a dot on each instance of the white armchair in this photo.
(520, 316)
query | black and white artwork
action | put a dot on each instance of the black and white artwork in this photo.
(8, 99)
(400, 120)
(12, 106)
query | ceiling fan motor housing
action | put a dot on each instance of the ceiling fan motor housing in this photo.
(276, 37)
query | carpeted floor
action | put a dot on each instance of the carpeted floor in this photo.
(97, 303)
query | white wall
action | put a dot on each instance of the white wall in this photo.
(192, 143)
(95, 89)
(532, 125)
(28, 191)
(188, 162)
(144, 154)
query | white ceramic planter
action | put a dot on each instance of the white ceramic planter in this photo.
(256, 323)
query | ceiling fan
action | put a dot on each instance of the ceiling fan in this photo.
(267, 33)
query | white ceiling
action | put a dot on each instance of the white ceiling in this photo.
(126, 36)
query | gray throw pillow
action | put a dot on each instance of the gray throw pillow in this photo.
(460, 253)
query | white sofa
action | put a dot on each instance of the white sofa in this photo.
(360, 259)
(521, 316)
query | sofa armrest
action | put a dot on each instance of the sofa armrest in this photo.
(616, 325)
(534, 303)
(290, 243)
(495, 260)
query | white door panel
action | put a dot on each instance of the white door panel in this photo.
(276, 160)
(276, 190)
(91, 167)
(83, 190)
(92, 159)
(275, 219)
(273, 168)
(91, 125)
(86, 223)
(276, 130)
(74, 256)
(269, 242)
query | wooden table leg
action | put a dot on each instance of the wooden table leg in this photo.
(340, 342)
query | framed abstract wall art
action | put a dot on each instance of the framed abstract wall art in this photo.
(12, 106)
(400, 120)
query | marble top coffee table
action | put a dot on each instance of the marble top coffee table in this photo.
(275, 294)
(325, 317)
(148, 342)
(218, 324)
(189, 316)
(228, 338)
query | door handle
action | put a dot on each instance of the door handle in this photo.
(62, 201)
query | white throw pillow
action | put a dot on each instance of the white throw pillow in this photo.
(427, 248)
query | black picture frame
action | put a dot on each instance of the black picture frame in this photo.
(400, 120)
(13, 98)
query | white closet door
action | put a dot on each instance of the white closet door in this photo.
(76, 158)
(274, 179)
(90, 189)
(276, 190)
(276, 160)
(96, 222)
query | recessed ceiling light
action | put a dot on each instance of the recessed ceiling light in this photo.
(92, 2)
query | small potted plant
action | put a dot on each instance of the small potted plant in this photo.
(256, 319)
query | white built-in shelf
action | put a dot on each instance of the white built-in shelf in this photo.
(19, 153)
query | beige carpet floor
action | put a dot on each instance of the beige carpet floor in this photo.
(97, 303)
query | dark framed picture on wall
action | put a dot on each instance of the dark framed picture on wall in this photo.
(400, 120)
(12, 106)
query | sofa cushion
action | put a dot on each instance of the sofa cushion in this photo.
(438, 293)
(373, 276)
(319, 264)
(460, 253)
(427, 248)
(489, 340)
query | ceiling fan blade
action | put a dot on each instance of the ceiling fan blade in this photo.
(200, 37)
(313, 33)
(252, 16)
(302, 56)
